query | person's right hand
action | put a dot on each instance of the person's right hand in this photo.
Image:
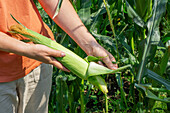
(45, 54)
(35, 51)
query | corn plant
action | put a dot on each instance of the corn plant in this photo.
(151, 44)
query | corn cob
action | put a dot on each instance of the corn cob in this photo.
(85, 70)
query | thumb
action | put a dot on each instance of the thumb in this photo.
(57, 53)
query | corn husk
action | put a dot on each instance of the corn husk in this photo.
(90, 71)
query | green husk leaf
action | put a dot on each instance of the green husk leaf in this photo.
(95, 80)
(96, 69)
(93, 58)
(17, 21)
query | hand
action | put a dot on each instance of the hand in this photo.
(45, 54)
(35, 51)
(99, 51)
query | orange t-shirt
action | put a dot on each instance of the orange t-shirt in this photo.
(12, 66)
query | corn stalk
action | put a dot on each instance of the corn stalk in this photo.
(150, 46)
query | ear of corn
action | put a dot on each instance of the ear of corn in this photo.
(70, 60)
(77, 65)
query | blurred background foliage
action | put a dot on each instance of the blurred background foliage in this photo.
(135, 32)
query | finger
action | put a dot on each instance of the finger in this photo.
(99, 62)
(112, 59)
(56, 53)
(109, 63)
(111, 56)
(49, 51)
(57, 64)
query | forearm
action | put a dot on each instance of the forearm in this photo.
(69, 21)
(12, 45)
(33, 51)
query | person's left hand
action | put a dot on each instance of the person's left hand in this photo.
(107, 58)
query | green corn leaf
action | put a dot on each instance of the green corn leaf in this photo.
(62, 91)
(149, 86)
(132, 14)
(166, 39)
(84, 12)
(153, 36)
(150, 95)
(158, 78)
(164, 62)
(120, 6)
(143, 8)
(106, 39)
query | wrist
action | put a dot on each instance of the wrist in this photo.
(86, 41)
(17, 47)
(89, 47)
(27, 49)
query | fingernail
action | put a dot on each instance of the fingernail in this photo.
(63, 54)
(65, 69)
(113, 67)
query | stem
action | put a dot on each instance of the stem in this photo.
(82, 97)
(132, 91)
(110, 18)
(117, 51)
(106, 100)
(122, 91)
(140, 97)
(61, 96)
(70, 98)
(112, 27)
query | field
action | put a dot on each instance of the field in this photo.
(135, 32)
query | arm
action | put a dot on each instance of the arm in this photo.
(69, 21)
(34, 51)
